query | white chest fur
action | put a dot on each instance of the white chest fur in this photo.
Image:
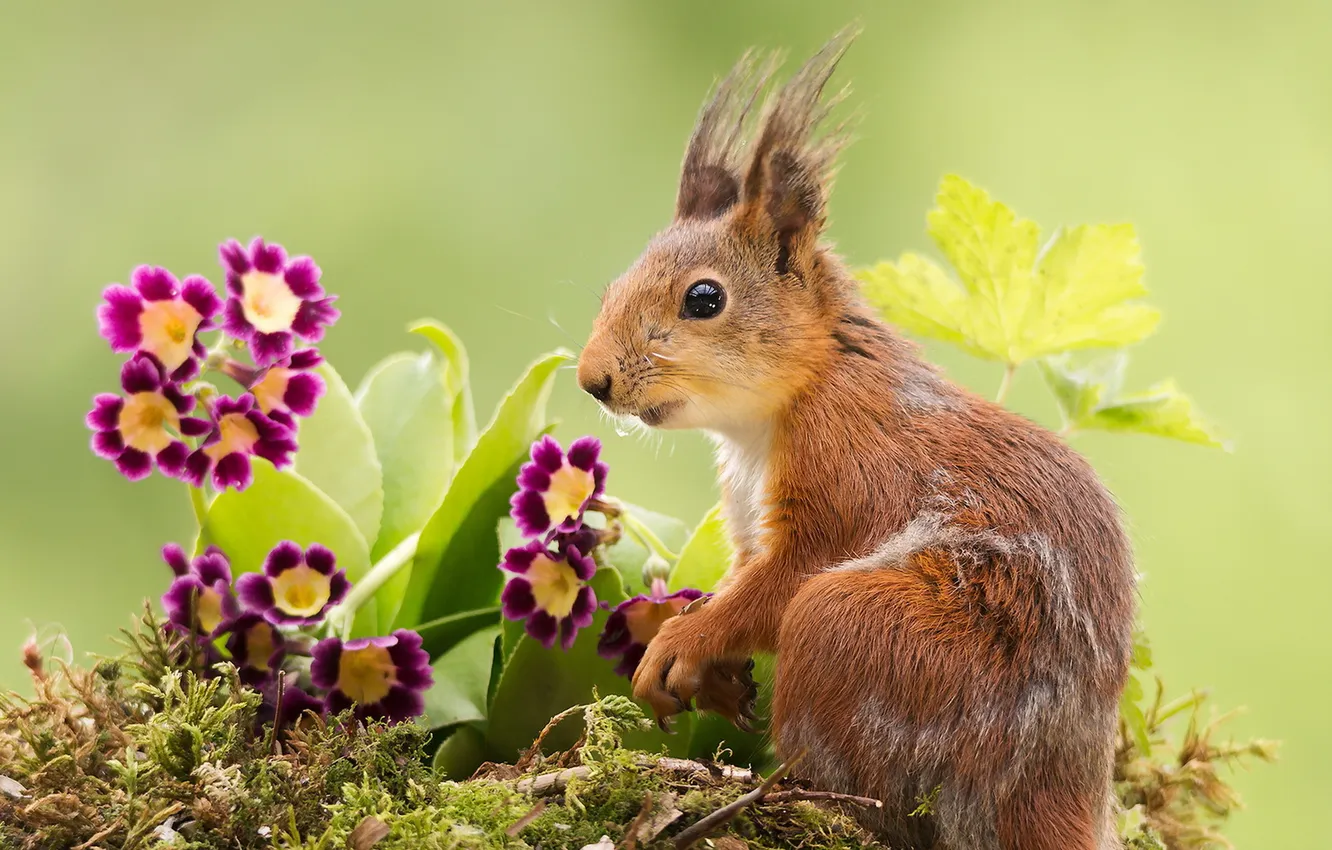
(742, 461)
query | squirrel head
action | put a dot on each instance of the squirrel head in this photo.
(729, 309)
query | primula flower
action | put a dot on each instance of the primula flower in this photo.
(273, 299)
(383, 677)
(636, 621)
(285, 390)
(554, 489)
(549, 589)
(146, 424)
(160, 316)
(240, 429)
(256, 646)
(295, 587)
(200, 598)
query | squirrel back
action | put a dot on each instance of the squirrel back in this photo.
(947, 585)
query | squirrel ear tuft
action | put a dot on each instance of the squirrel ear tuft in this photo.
(711, 173)
(790, 169)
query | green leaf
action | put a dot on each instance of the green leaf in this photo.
(628, 555)
(439, 636)
(337, 455)
(1130, 712)
(459, 386)
(407, 407)
(460, 754)
(462, 678)
(1012, 303)
(455, 568)
(706, 556)
(1089, 399)
(281, 506)
(538, 683)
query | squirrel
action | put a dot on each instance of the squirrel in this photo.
(947, 586)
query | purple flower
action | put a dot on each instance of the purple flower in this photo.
(550, 590)
(199, 599)
(636, 621)
(554, 489)
(146, 424)
(383, 677)
(161, 317)
(273, 298)
(240, 429)
(295, 587)
(256, 646)
(285, 390)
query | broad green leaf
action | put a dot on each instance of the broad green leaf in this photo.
(462, 678)
(1011, 302)
(337, 455)
(281, 506)
(459, 385)
(1089, 398)
(460, 754)
(628, 555)
(439, 636)
(706, 556)
(538, 683)
(407, 407)
(455, 565)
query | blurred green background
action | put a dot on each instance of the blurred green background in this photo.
(493, 165)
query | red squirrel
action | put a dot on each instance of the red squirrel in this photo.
(947, 586)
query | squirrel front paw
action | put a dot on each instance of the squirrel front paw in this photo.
(677, 669)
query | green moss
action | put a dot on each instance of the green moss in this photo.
(144, 748)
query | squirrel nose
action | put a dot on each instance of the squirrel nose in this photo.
(598, 389)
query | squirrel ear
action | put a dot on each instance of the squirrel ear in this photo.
(790, 170)
(710, 175)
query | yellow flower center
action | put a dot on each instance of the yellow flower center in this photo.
(554, 585)
(366, 675)
(237, 434)
(208, 608)
(301, 591)
(570, 487)
(268, 303)
(259, 646)
(168, 331)
(270, 391)
(644, 620)
(144, 420)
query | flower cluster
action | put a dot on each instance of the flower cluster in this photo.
(260, 623)
(272, 300)
(547, 584)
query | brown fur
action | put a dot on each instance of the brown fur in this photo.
(946, 585)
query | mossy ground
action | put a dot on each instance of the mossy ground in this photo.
(140, 753)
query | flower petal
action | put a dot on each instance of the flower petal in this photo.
(154, 283)
(281, 558)
(325, 658)
(105, 414)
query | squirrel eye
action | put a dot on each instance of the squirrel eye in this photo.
(703, 300)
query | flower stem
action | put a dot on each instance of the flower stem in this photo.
(364, 590)
(199, 502)
(646, 537)
(1006, 383)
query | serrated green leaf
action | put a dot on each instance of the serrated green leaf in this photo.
(459, 385)
(1089, 398)
(1010, 303)
(628, 555)
(281, 506)
(337, 455)
(455, 565)
(706, 556)
(462, 678)
(538, 683)
(408, 408)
